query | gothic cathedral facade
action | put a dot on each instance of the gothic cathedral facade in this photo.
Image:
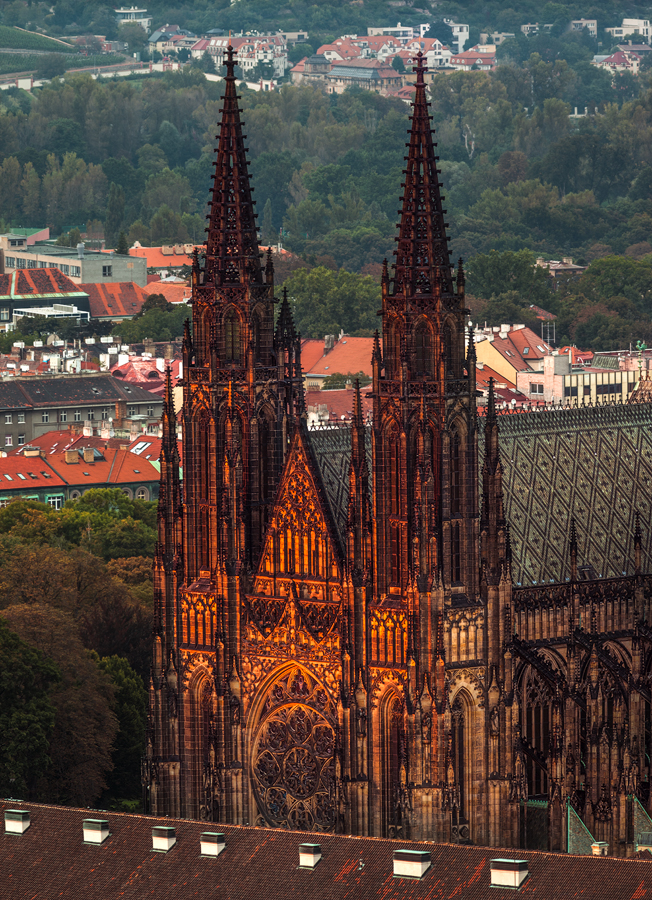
(343, 650)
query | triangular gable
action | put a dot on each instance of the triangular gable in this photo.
(301, 510)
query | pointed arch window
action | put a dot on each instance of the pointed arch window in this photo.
(423, 349)
(458, 737)
(393, 349)
(456, 472)
(232, 350)
(447, 340)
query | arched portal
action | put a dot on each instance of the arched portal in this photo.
(293, 760)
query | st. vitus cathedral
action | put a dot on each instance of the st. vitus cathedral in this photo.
(346, 649)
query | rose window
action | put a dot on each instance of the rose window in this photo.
(293, 771)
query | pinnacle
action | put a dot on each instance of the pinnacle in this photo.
(232, 255)
(422, 257)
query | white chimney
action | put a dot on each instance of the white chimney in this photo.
(508, 872)
(96, 831)
(309, 855)
(411, 863)
(212, 843)
(163, 838)
(160, 364)
(16, 821)
(600, 848)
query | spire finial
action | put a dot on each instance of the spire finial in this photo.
(357, 405)
(420, 69)
(491, 404)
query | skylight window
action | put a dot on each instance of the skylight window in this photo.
(8, 477)
(22, 477)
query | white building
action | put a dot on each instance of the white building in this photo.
(127, 15)
(591, 26)
(460, 33)
(632, 26)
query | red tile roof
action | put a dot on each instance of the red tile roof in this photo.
(339, 403)
(350, 354)
(148, 447)
(33, 283)
(27, 473)
(118, 300)
(56, 441)
(51, 860)
(173, 293)
(145, 372)
(117, 467)
(156, 259)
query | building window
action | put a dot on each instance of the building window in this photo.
(21, 418)
(75, 271)
(21, 440)
(4, 315)
(77, 415)
(75, 495)
(45, 417)
(142, 494)
(105, 414)
(536, 388)
(55, 502)
(20, 263)
(107, 271)
(8, 418)
(10, 262)
(63, 416)
(9, 440)
(31, 263)
(571, 390)
(65, 269)
(43, 264)
(150, 411)
(91, 414)
(132, 410)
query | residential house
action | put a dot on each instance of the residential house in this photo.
(31, 406)
(146, 371)
(173, 291)
(127, 15)
(510, 349)
(331, 408)
(25, 288)
(561, 271)
(460, 33)
(630, 27)
(482, 56)
(319, 359)
(620, 61)
(591, 26)
(369, 74)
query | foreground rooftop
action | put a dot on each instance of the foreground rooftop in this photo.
(52, 859)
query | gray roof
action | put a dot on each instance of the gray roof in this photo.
(25, 393)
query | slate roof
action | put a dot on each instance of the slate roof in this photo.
(50, 860)
(593, 463)
(56, 391)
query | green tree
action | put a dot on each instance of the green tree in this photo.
(122, 247)
(398, 64)
(326, 302)
(492, 274)
(27, 715)
(115, 213)
(338, 380)
(51, 65)
(85, 725)
(130, 708)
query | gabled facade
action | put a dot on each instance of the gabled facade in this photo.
(339, 645)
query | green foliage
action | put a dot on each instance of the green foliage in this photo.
(156, 324)
(27, 40)
(51, 65)
(324, 302)
(338, 380)
(130, 708)
(494, 274)
(27, 715)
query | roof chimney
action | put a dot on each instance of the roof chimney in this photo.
(16, 821)
(72, 456)
(309, 855)
(600, 848)
(508, 872)
(212, 843)
(163, 838)
(80, 250)
(96, 831)
(89, 455)
(411, 863)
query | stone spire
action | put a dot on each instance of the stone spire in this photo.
(232, 254)
(169, 483)
(422, 257)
